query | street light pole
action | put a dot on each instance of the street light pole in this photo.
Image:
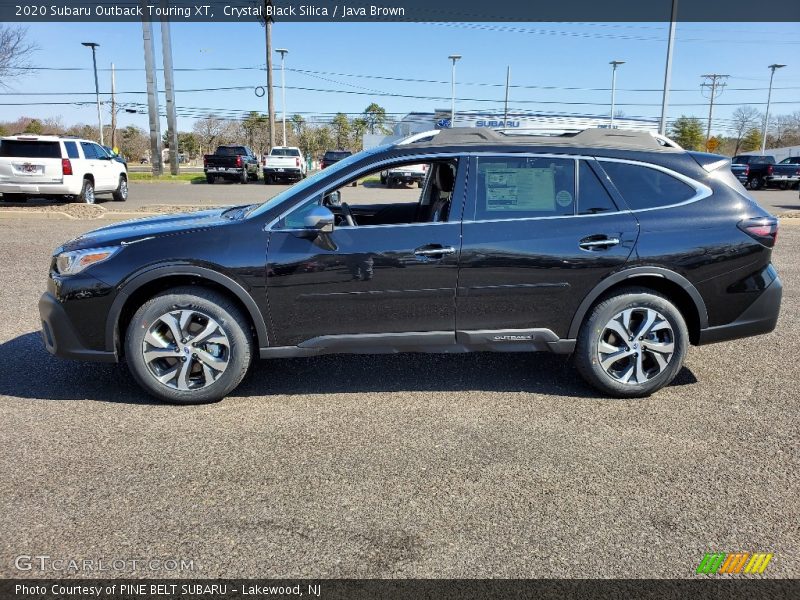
(614, 64)
(454, 58)
(769, 99)
(283, 52)
(662, 127)
(93, 46)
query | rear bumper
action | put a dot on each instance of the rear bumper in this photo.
(47, 189)
(783, 179)
(295, 172)
(760, 317)
(59, 335)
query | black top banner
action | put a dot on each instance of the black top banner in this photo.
(400, 10)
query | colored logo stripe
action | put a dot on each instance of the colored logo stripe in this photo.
(721, 562)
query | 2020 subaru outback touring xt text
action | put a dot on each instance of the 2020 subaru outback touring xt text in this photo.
(616, 247)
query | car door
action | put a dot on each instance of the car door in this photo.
(368, 286)
(108, 168)
(94, 166)
(539, 233)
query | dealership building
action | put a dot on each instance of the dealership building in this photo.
(513, 122)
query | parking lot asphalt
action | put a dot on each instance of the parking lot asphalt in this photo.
(479, 465)
(144, 195)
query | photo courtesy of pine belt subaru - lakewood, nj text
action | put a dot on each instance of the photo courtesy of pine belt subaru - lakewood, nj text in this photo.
(617, 247)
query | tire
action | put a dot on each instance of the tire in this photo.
(244, 177)
(232, 348)
(121, 193)
(355, 183)
(647, 372)
(755, 183)
(419, 184)
(87, 193)
(15, 198)
(210, 179)
(383, 179)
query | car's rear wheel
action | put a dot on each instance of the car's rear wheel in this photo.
(188, 346)
(121, 193)
(755, 183)
(632, 343)
(243, 177)
(210, 179)
(87, 192)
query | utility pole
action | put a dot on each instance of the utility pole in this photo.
(662, 128)
(715, 84)
(113, 108)
(270, 99)
(152, 95)
(508, 82)
(169, 88)
(769, 100)
(283, 52)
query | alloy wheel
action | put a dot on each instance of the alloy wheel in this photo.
(186, 349)
(636, 345)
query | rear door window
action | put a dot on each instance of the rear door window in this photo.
(511, 187)
(645, 187)
(29, 149)
(72, 149)
(88, 150)
(593, 197)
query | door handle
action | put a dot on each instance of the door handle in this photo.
(428, 251)
(596, 242)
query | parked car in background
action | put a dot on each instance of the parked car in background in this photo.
(786, 174)
(284, 163)
(331, 157)
(236, 163)
(406, 175)
(62, 168)
(584, 244)
(752, 169)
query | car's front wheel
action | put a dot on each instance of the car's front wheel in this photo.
(188, 346)
(632, 343)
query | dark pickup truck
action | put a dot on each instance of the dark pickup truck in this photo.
(756, 171)
(237, 163)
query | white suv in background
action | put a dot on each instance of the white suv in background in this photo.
(59, 167)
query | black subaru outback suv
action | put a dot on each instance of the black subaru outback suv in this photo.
(616, 247)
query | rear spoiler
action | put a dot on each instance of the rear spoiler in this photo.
(710, 162)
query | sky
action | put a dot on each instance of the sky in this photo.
(338, 56)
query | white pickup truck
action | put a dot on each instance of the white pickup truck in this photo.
(284, 162)
(405, 175)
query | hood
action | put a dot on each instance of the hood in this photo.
(139, 229)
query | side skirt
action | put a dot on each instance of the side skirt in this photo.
(438, 342)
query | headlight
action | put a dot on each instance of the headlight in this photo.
(70, 263)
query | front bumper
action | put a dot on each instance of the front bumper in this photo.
(758, 318)
(59, 335)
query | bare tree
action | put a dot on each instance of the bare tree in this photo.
(15, 52)
(743, 120)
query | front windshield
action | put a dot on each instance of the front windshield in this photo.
(304, 184)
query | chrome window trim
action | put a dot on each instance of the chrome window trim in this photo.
(701, 190)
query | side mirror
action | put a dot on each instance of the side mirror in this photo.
(320, 219)
(333, 199)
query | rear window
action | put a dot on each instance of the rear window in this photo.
(645, 187)
(230, 151)
(285, 152)
(29, 149)
(336, 155)
(72, 149)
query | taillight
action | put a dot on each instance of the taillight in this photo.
(238, 161)
(66, 167)
(769, 170)
(297, 162)
(747, 170)
(762, 229)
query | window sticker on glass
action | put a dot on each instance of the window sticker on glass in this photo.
(523, 189)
